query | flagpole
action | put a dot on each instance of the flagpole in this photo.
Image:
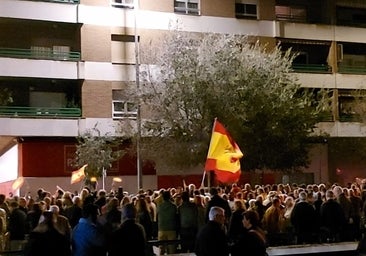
(104, 174)
(203, 180)
(209, 173)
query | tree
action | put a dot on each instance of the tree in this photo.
(249, 88)
(99, 152)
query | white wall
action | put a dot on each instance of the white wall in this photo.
(9, 165)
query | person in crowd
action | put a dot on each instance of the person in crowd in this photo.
(17, 226)
(74, 212)
(201, 211)
(332, 219)
(33, 216)
(23, 204)
(61, 223)
(188, 222)
(67, 199)
(273, 221)
(3, 224)
(346, 206)
(143, 216)
(211, 240)
(101, 199)
(304, 220)
(111, 217)
(356, 214)
(167, 222)
(129, 238)
(87, 238)
(46, 239)
(217, 200)
(252, 240)
(235, 223)
(4, 204)
(153, 215)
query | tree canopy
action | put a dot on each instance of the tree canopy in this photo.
(249, 88)
(97, 151)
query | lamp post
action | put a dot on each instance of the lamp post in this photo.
(138, 118)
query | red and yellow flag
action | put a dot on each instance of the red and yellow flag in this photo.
(223, 155)
(78, 175)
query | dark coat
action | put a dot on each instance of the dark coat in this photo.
(303, 217)
(250, 243)
(212, 241)
(332, 217)
(128, 239)
(47, 242)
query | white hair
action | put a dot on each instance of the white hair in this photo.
(215, 210)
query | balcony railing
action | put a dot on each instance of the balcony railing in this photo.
(59, 1)
(325, 117)
(39, 53)
(11, 111)
(312, 68)
(347, 69)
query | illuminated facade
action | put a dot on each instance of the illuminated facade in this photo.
(67, 64)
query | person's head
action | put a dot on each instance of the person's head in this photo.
(54, 209)
(337, 190)
(252, 203)
(329, 195)
(185, 196)
(303, 196)
(250, 219)
(289, 201)
(217, 214)
(22, 202)
(128, 212)
(90, 211)
(166, 195)
(238, 205)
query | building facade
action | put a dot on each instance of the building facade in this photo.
(68, 64)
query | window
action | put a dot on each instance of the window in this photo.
(122, 3)
(291, 13)
(245, 10)
(187, 6)
(122, 107)
(123, 49)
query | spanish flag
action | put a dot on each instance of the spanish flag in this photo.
(78, 175)
(223, 155)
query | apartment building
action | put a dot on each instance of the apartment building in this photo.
(67, 65)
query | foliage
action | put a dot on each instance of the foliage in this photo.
(99, 152)
(249, 88)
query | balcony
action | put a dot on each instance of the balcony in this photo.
(12, 111)
(350, 69)
(351, 16)
(311, 12)
(46, 53)
(59, 1)
(312, 68)
(41, 10)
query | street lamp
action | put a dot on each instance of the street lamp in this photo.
(138, 118)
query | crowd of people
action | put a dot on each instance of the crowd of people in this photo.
(212, 221)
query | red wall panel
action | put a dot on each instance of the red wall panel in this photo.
(55, 159)
(170, 181)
